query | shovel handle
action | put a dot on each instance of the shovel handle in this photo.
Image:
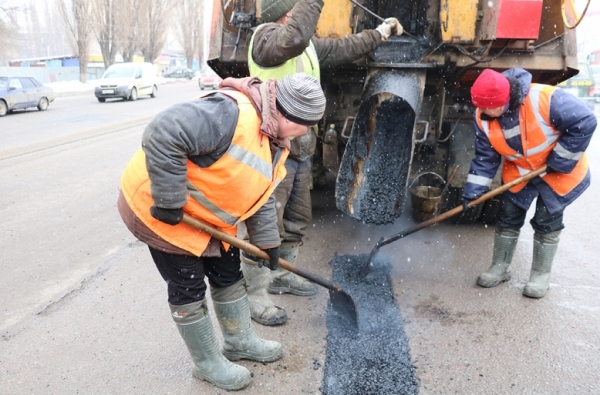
(458, 209)
(254, 250)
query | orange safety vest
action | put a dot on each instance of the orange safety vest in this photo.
(229, 191)
(538, 137)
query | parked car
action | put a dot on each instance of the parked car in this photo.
(127, 81)
(210, 80)
(22, 93)
(582, 85)
(181, 73)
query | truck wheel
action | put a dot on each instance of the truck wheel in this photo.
(454, 199)
(490, 210)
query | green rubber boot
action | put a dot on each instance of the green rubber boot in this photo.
(544, 249)
(505, 242)
(284, 282)
(233, 313)
(262, 308)
(195, 327)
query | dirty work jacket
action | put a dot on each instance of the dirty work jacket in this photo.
(550, 127)
(538, 142)
(273, 45)
(223, 194)
(307, 63)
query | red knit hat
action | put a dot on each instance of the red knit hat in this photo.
(490, 90)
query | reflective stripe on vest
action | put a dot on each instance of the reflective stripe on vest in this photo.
(307, 63)
(539, 138)
(229, 191)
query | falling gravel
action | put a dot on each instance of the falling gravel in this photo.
(373, 358)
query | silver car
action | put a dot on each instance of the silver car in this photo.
(22, 93)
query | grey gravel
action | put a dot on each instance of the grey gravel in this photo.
(373, 358)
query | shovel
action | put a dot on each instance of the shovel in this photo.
(387, 240)
(340, 300)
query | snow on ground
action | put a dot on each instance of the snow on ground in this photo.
(71, 86)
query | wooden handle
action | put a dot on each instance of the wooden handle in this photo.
(458, 209)
(254, 250)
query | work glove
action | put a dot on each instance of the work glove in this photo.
(388, 27)
(171, 216)
(466, 202)
(273, 263)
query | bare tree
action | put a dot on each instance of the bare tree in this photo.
(36, 46)
(188, 21)
(8, 29)
(130, 35)
(78, 18)
(199, 33)
(54, 38)
(106, 24)
(156, 15)
(42, 31)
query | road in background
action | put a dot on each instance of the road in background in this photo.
(48, 184)
(81, 115)
(84, 310)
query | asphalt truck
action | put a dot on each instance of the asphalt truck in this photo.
(403, 113)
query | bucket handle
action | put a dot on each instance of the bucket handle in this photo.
(425, 173)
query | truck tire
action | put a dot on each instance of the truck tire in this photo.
(490, 211)
(454, 199)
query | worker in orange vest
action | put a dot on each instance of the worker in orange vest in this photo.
(217, 159)
(525, 126)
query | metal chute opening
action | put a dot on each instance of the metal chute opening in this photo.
(371, 184)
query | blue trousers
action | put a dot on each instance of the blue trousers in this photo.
(512, 217)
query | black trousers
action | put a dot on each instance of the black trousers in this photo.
(512, 216)
(185, 274)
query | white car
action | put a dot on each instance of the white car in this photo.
(127, 81)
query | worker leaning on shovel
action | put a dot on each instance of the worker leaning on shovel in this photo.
(286, 44)
(528, 125)
(217, 159)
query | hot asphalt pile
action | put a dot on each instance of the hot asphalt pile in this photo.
(374, 359)
(384, 165)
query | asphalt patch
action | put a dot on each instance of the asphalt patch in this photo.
(373, 358)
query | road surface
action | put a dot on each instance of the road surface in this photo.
(83, 309)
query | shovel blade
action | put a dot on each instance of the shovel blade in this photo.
(344, 305)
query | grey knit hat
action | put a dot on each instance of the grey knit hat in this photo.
(272, 10)
(300, 99)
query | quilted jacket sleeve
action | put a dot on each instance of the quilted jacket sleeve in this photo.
(184, 130)
(577, 123)
(483, 166)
